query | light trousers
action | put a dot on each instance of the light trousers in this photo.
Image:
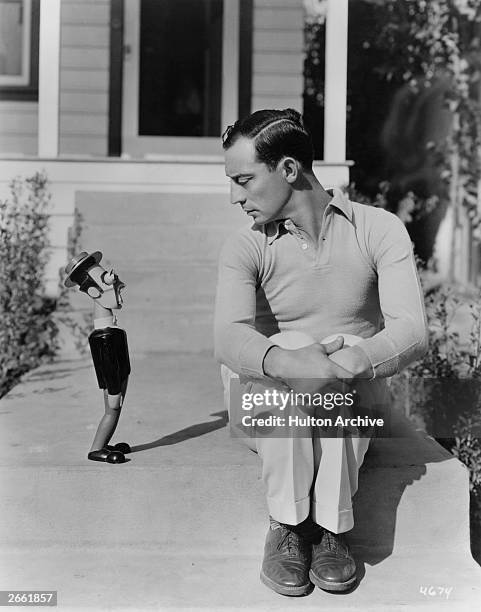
(309, 474)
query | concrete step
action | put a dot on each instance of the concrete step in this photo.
(165, 248)
(161, 312)
(163, 288)
(176, 502)
(182, 524)
(149, 330)
(157, 209)
(157, 228)
(155, 243)
(139, 579)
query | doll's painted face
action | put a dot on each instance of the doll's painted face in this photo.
(106, 288)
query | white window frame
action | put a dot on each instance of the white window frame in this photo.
(151, 146)
(10, 80)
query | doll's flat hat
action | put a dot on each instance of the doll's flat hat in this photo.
(78, 265)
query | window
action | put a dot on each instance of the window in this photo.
(180, 68)
(182, 64)
(19, 24)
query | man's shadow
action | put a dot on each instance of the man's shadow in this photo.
(193, 431)
(391, 465)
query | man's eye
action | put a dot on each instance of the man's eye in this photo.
(243, 181)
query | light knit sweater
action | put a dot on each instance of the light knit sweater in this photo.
(361, 280)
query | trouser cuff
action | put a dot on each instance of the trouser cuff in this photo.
(291, 513)
(337, 521)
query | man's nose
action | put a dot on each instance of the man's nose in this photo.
(237, 195)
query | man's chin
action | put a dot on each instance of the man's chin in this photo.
(258, 220)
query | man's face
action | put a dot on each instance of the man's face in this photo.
(261, 192)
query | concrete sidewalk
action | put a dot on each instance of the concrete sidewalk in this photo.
(181, 526)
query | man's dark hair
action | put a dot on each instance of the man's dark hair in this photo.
(276, 134)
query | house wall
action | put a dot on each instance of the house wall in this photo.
(84, 77)
(277, 79)
(84, 87)
(18, 127)
(278, 48)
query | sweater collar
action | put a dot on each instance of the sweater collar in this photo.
(339, 200)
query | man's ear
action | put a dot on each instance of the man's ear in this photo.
(289, 168)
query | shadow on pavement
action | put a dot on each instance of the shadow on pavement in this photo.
(390, 467)
(193, 431)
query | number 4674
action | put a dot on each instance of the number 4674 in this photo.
(435, 591)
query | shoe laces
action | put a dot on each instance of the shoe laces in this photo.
(291, 543)
(334, 542)
(290, 540)
(331, 541)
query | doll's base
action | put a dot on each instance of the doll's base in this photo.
(106, 455)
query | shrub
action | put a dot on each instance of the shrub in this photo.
(441, 393)
(452, 409)
(73, 323)
(28, 332)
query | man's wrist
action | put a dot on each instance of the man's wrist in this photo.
(364, 367)
(273, 363)
(355, 360)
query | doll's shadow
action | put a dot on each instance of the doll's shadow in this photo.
(193, 431)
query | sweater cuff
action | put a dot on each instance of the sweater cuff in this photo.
(382, 354)
(251, 355)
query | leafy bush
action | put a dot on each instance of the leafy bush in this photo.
(28, 332)
(453, 408)
(76, 324)
(441, 393)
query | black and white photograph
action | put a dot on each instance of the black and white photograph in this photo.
(240, 305)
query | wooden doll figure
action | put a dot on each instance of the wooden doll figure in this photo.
(108, 346)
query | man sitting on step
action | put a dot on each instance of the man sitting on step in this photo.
(314, 263)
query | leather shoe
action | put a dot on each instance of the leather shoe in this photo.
(287, 557)
(121, 447)
(333, 567)
(106, 455)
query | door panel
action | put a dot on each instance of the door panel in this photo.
(181, 58)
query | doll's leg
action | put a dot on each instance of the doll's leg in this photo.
(100, 450)
(106, 428)
(123, 447)
(110, 355)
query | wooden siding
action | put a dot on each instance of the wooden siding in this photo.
(18, 127)
(84, 77)
(84, 85)
(277, 80)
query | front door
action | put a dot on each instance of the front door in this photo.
(180, 75)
